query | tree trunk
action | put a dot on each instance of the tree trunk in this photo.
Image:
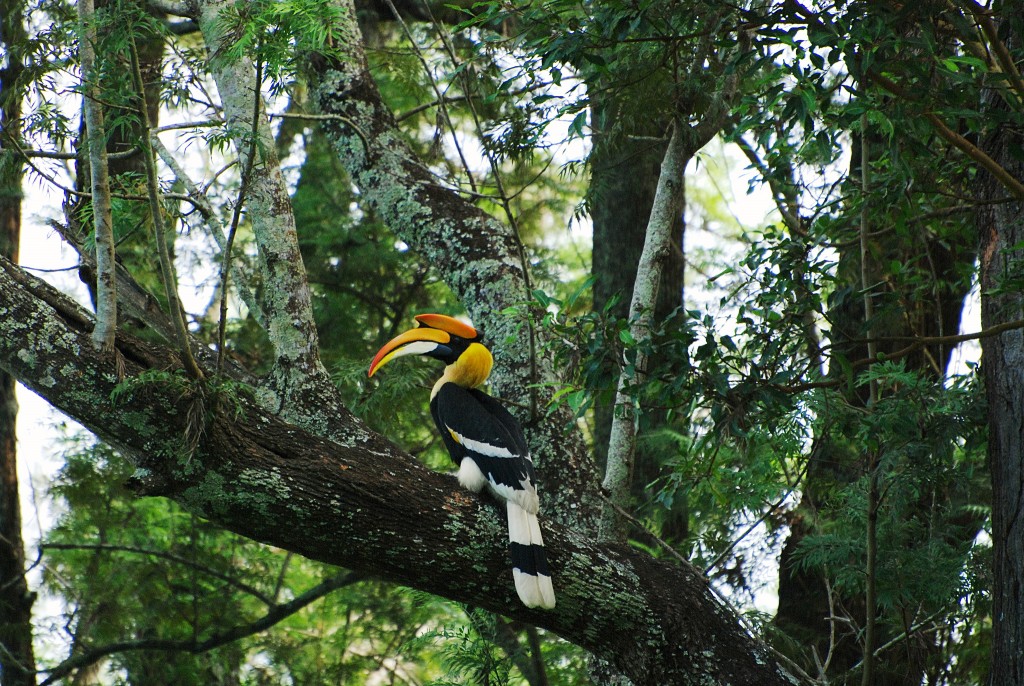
(17, 660)
(626, 161)
(1000, 224)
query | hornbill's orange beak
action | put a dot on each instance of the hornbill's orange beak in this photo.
(432, 337)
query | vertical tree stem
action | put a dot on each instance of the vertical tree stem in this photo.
(153, 189)
(102, 212)
(871, 535)
(622, 441)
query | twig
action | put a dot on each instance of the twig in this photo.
(783, 203)
(736, 541)
(506, 204)
(243, 185)
(917, 343)
(171, 557)
(210, 219)
(1002, 53)
(896, 640)
(438, 95)
(956, 140)
(657, 539)
(326, 117)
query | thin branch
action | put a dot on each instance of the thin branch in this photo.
(325, 117)
(177, 126)
(72, 192)
(917, 344)
(506, 204)
(438, 95)
(211, 220)
(783, 203)
(665, 545)
(753, 525)
(956, 140)
(156, 216)
(972, 151)
(1006, 62)
(67, 156)
(243, 186)
(103, 225)
(195, 646)
(171, 557)
(896, 640)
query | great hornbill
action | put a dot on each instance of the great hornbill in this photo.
(483, 439)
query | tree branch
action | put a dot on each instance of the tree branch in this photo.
(366, 505)
(211, 221)
(164, 555)
(1006, 62)
(156, 215)
(287, 306)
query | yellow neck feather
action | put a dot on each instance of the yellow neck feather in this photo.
(470, 370)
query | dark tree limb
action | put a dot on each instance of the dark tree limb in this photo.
(368, 506)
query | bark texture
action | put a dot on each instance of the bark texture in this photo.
(1001, 230)
(366, 505)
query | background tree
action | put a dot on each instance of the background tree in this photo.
(17, 658)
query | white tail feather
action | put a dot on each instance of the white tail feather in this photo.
(547, 591)
(535, 590)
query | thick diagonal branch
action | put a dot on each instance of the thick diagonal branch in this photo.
(368, 507)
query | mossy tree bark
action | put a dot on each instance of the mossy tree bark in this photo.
(365, 505)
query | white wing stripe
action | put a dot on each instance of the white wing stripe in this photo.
(481, 447)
